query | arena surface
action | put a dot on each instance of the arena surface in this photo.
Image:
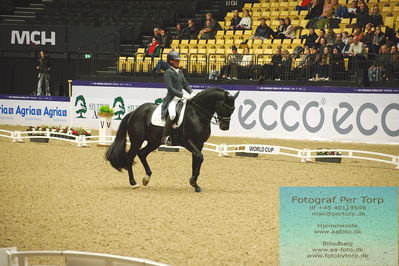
(57, 196)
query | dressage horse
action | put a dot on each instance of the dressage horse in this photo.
(194, 132)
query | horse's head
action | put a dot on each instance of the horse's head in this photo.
(224, 109)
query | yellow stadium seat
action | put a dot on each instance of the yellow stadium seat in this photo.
(141, 50)
(389, 22)
(267, 42)
(122, 64)
(220, 41)
(129, 64)
(275, 14)
(201, 42)
(247, 6)
(184, 41)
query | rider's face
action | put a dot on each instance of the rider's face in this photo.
(175, 63)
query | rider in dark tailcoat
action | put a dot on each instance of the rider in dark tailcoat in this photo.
(175, 83)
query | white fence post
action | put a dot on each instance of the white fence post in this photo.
(5, 257)
(16, 136)
(82, 141)
(397, 162)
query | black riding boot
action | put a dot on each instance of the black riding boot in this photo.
(166, 140)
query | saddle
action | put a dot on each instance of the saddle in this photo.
(156, 118)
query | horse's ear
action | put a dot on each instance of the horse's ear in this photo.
(236, 95)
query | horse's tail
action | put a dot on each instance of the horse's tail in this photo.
(116, 153)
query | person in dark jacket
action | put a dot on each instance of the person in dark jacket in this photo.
(315, 10)
(43, 67)
(368, 35)
(263, 31)
(382, 65)
(375, 17)
(338, 64)
(235, 21)
(165, 39)
(362, 16)
(310, 40)
(190, 32)
(175, 83)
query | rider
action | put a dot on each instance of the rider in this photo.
(175, 83)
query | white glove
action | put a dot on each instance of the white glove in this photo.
(186, 97)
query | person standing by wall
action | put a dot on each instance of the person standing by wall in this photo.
(43, 66)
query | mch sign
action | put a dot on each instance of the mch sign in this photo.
(32, 37)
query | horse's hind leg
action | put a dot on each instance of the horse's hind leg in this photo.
(134, 148)
(143, 153)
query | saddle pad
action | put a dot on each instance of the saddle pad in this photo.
(156, 119)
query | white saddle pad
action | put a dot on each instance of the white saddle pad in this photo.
(156, 119)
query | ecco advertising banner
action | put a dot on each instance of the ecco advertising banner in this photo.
(291, 113)
(22, 37)
(33, 110)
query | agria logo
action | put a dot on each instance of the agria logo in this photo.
(81, 106)
(119, 107)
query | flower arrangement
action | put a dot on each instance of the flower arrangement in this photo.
(105, 111)
(328, 152)
(42, 131)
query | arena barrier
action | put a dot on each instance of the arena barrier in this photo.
(306, 155)
(12, 257)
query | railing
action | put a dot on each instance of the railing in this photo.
(12, 257)
(305, 155)
(260, 67)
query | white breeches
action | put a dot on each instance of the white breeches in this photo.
(172, 108)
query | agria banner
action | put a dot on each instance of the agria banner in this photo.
(34, 110)
(369, 115)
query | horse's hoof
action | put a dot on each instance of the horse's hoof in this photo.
(146, 180)
(135, 186)
(198, 189)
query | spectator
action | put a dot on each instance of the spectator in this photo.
(314, 59)
(285, 67)
(382, 66)
(156, 34)
(190, 32)
(214, 23)
(263, 31)
(281, 29)
(322, 34)
(359, 3)
(304, 5)
(43, 66)
(338, 65)
(289, 30)
(165, 39)
(328, 8)
(345, 50)
(315, 10)
(345, 37)
(338, 44)
(269, 70)
(208, 32)
(323, 44)
(324, 65)
(310, 40)
(246, 67)
(245, 22)
(362, 16)
(179, 32)
(299, 70)
(395, 39)
(153, 49)
(395, 58)
(331, 36)
(375, 17)
(340, 11)
(378, 40)
(230, 71)
(352, 10)
(368, 36)
(357, 47)
(359, 33)
(235, 21)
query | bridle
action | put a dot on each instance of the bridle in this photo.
(216, 117)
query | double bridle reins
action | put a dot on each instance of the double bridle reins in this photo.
(216, 117)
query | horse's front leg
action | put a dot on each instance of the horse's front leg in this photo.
(197, 159)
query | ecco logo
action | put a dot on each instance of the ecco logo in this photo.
(35, 37)
(337, 121)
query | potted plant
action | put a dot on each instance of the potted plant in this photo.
(105, 113)
(334, 156)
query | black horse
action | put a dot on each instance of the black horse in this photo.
(194, 132)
